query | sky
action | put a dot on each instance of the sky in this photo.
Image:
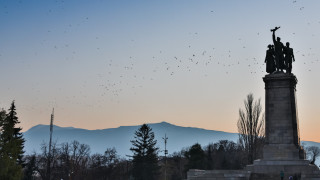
(104, 64)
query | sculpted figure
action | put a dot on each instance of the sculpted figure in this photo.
(278, 48)
(270, 60)
(288, 57)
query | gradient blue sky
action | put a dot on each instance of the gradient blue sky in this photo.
(103, 64)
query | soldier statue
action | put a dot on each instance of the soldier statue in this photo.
(278, 48)
(288, 52)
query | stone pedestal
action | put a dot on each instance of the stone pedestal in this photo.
(282, 151)
(282, 131)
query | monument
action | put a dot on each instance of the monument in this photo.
(282, 153)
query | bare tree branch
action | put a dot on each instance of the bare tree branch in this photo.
(251, 127)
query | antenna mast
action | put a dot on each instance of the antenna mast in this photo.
(50, 144)
(165, 155)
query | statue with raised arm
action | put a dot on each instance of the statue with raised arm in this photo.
(278, 48)
(288, 57)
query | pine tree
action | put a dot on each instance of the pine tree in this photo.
(30, 167)
(145, 156)
(11, 146)
(3, 115)
(196, 157)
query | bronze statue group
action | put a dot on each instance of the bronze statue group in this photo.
(279, 57)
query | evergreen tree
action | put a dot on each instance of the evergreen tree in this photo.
(30, 168)
(11, 146)
(145, 156)
(209, 157)
(3, 115)
(196, 157)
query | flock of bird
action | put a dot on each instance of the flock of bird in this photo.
(119, 77)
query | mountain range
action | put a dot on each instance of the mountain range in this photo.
(99, 140)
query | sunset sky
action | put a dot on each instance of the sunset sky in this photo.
(104, 64)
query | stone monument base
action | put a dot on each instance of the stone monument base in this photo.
(262, 170)
(196, 174)
(301, 169)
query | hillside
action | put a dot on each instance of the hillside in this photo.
(120, 137)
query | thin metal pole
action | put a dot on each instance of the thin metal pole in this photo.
(50, 142)
(165, 155)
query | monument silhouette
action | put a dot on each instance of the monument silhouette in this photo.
(283, 156)
(278, 56)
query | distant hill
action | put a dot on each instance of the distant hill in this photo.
(120, 137)
(99, 140)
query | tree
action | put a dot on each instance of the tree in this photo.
(145, 155)
(65, 160)
(3, 115)
(107, 165)
(11, 146)
(30, 167)
(176, 164)
(68, 160)
(313, 153)
(224, 154)
(209, 153)
(43, 158)
(72, 160)
(110, 156)
(79, 159)
(196, 157)
(251, 128)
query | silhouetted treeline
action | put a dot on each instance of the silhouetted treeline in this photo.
(73, 161)
(224, 154)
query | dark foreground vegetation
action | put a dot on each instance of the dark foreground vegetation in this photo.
(73, 160)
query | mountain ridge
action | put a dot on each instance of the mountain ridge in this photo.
(162, 122)
(101, 139)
